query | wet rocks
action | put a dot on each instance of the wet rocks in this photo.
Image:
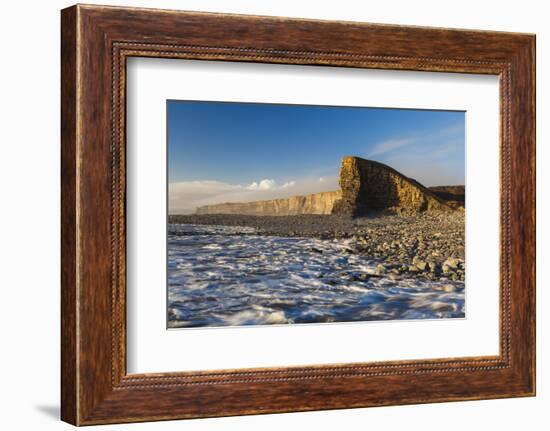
(380, 269)
(420, 264)
(452, 263)
(427, 245)
(424, 245)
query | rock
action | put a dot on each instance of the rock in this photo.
(451, 263)
(380, 269)
(419, 263)
(175, 314)
(446, 269)
(413, 268)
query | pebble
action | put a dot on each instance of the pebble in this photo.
(380, 269)
(451, 263)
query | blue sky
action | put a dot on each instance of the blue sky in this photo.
(245, 151)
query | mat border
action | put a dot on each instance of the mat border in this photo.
(96, 42)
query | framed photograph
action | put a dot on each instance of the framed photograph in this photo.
(264, 215)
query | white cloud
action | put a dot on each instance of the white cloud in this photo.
(269, 185)
(262, 185)
(186, 196)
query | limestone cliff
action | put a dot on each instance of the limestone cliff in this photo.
(367, 185)
(318, 203)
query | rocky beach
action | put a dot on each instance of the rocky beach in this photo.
(382, 247)
(428, 245)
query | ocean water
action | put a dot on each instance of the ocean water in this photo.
(229, 276)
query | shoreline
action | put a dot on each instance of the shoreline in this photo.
(427, 245)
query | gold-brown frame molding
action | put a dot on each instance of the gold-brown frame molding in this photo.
(96, 41)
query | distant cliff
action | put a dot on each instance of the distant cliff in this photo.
(318, 203)
(365, 186)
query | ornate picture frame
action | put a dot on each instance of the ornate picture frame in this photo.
(96, 41)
